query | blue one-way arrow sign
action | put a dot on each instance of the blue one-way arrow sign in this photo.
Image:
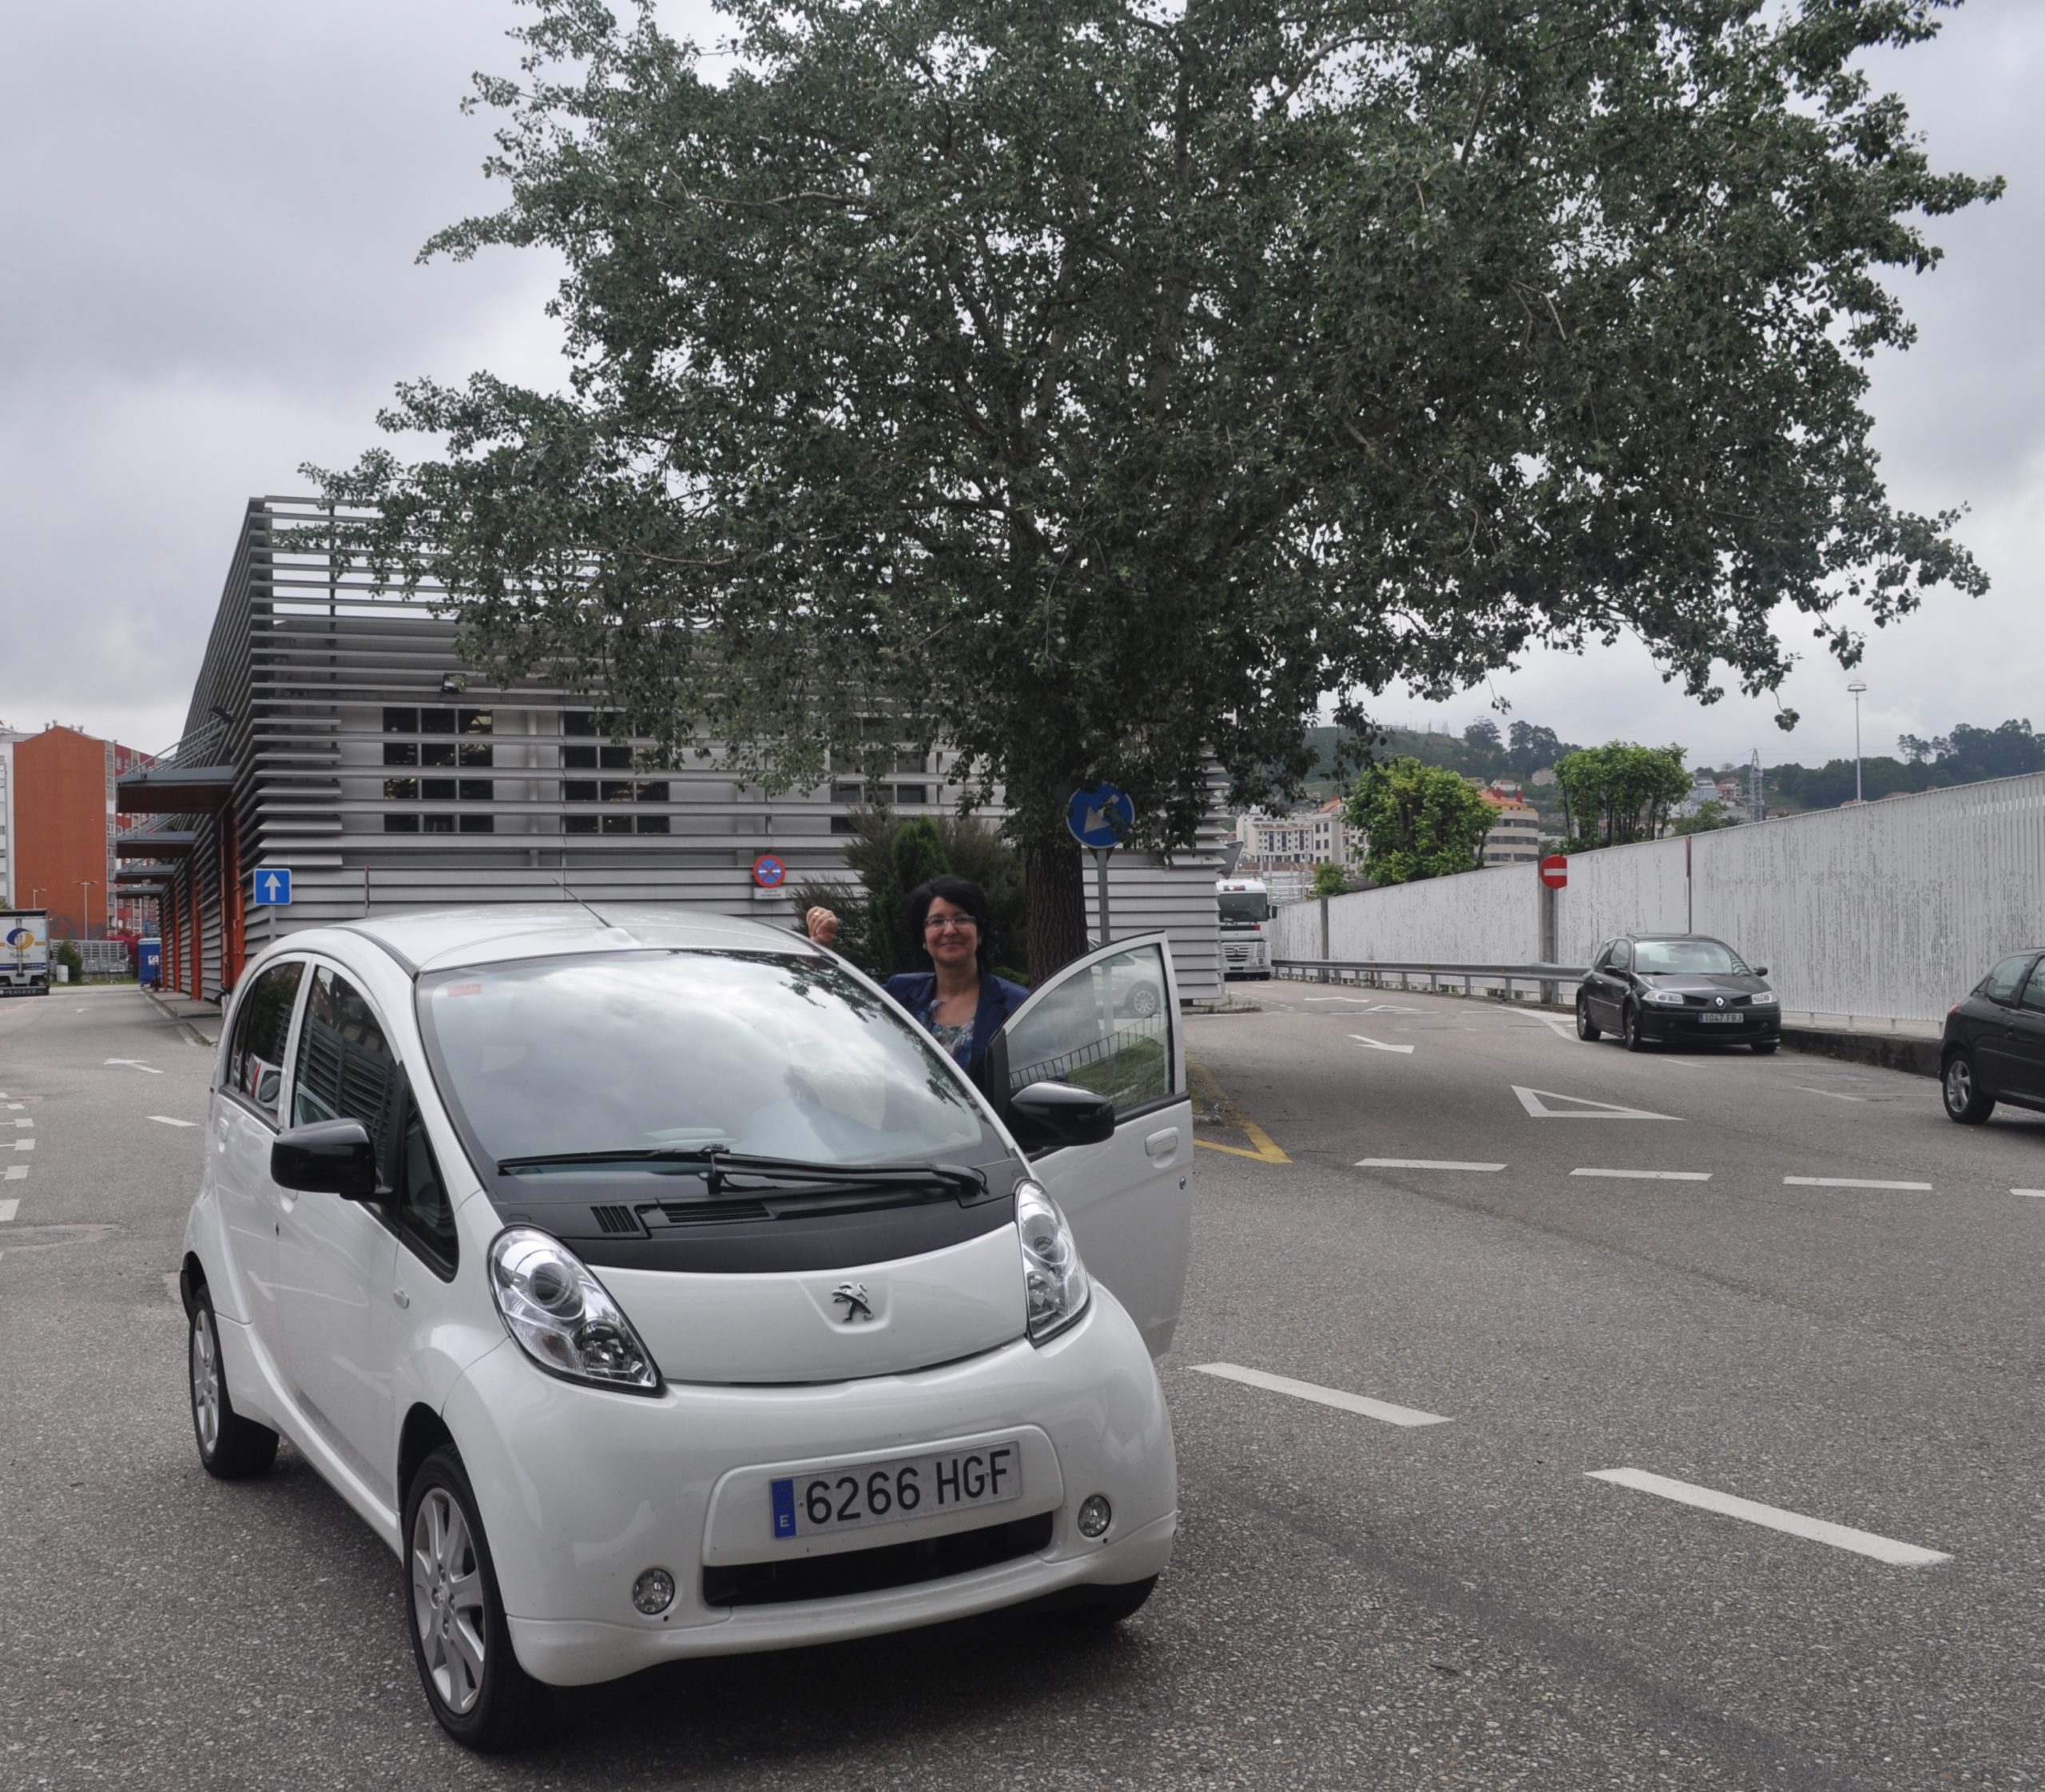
(272, 887)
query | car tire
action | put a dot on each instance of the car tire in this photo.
(231, 1448)
(1097, 1607)
(1967, 1102)
(1629, 1029)
(1763, 1048)
(1143, 1001)
(461, 1643)
(1586, 1028)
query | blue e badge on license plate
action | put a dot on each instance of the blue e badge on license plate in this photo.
(785, 1508)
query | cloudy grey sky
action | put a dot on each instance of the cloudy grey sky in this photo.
(210, 214)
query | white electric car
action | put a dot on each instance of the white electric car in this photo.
(654, 1286)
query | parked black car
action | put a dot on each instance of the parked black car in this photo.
(1680, 988)
(1994, 1041)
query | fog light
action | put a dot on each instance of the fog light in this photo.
(653, 1591)
(1095, 1515)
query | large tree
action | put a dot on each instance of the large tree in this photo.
(1419, 821)
(1095, 386)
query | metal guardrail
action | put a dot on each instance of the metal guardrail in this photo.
(1372, 973)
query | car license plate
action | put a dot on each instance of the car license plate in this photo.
(891, 1492)
(1722, 1019)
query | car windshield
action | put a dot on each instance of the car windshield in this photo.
(1657, 958)
(1244, 905)
(672, 1053)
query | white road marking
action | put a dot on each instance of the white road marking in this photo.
(2036, 1194)
(1421, 1163)
(1850, 1183)
(1774, 1518)
(1650, 1175)
(1535, 1102)
(17, 1172)
(1379, 1409)
(1833, 1093)
(165, 1120)
(1379, 1045)
(1362, 1001)
(24, 1144)
(135, 1063)
(8, 1210)
(1566, 1028)
(25, 1123)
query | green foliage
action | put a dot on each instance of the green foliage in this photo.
(68, 955)
(915, 855)
(1330, 880)
(1619, 792)
(1096, 388)
(1711, 816)
(1423, 821)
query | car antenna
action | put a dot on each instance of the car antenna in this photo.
(562, 878)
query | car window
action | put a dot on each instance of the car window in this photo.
(1697, 957)
(2000, 984)
(1622, 955)
(1107, 1028)
(425, 1218)
(2034, 991)
(262, 1028)
(346, 1068)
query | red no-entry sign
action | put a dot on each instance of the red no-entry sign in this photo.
(1554, 871)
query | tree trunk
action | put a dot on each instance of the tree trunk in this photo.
(1054, 884)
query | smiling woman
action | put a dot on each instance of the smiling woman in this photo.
(781, 1056)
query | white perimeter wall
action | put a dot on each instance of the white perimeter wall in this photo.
(1891, 910)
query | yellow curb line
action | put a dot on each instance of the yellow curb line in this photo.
(1267, 1150)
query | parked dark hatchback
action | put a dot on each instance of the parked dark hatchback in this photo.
(1680, 988)
(1994, 1041)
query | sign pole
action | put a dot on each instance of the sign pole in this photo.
(1102, 855)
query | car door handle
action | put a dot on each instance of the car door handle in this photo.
(401, 1296)
(1163, 1145)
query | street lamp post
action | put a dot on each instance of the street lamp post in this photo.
(1857, 687)
(86, 886)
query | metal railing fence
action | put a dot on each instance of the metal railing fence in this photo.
(1487, 979)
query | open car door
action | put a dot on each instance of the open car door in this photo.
(1109, 1023)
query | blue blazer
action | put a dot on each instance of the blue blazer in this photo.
(917, 991)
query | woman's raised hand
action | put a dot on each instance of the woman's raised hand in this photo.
(823, 926)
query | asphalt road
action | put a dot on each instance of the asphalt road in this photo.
(1355, 1603)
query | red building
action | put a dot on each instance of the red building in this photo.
(64, 824)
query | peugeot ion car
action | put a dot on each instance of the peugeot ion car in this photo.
(654, 1285)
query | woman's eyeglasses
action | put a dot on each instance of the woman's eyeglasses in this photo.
(950, 923)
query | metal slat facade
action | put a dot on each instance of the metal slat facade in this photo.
(384, 773)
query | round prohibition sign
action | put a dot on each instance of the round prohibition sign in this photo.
(1555, 871)
(769, 872)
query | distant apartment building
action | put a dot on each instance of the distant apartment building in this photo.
(1283, 851)
(60, 825)
(1515, 836)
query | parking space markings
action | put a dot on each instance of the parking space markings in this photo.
(1650, 1175)
(1379, 1045)
(1850, 1183)
(8, 1210)
(1381, 1410)
(1774, 1518)
(1421, 1163)
(165, 1120)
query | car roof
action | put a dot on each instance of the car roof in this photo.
(443, 938)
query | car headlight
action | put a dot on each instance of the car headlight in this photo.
(1664, 998)
(1761, 999)
(563, 1317)
(1052, 1273)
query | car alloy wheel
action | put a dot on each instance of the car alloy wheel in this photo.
(1586, 1028)
(1966, 1101)
(231, 1448)
(1629, 1034)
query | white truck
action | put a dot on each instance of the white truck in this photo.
(24, 951)
(1246, 927)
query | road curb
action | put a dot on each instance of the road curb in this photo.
(171, 1014)
(1891, 1052)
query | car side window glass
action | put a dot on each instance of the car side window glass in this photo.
(2000, 984)
(2034, 991)
(1107, 1028)
(346, 1069)
(1621, 956)
(426, 1217)
(262, 1028)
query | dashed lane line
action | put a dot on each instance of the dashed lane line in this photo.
(2035, 1194)
(17, 1172)
(1851, 1182)
(1834, 1093)
(25, 1123)
(1422, 1163)
(135, 1063)
(24, 1144)
(1649, 1175)
(1774, 1518)
(165, 1120)
(1382, 1410)
(1379, 1045)
(8, 1210)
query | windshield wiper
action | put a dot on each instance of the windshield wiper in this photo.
(721, 1163)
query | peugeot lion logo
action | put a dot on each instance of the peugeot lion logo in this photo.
(853, 1294)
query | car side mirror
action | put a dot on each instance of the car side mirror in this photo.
(326, 1157)
(1045, 1115)
(1761, 969)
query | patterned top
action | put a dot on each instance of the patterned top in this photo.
(957, 1040)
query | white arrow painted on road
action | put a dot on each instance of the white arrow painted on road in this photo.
(1379, 1045)
(165, 1120)
(1581, 1107)
(136, 1063)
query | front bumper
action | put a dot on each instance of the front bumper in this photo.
(1688, 1026)
(581, 1490)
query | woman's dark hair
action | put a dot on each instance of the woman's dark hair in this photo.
(961, 892)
